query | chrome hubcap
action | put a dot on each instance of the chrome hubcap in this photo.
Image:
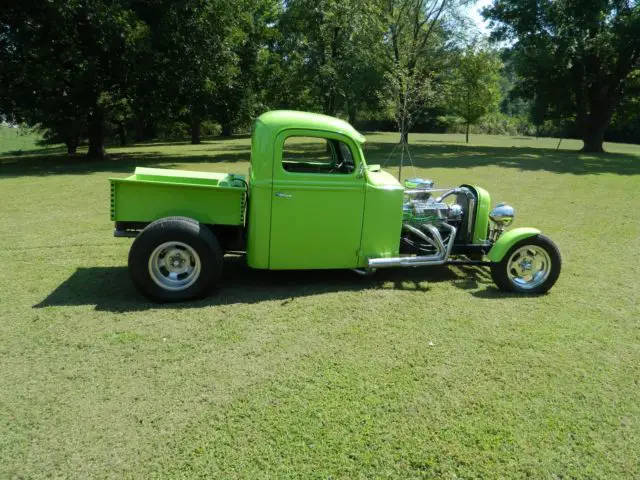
(529, 267)
(174, 266)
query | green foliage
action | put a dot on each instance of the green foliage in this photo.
(573, 58)
(174, 130)
(66, 64)
(495, 123)
(625, 125)
(193, 61)
(332, 48)
(417, 45)
(127, 70)
(78, 67)
(474, 90)
(511, 102)
(181, 131)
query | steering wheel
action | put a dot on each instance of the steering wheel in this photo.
(346, 163)
(337, 168)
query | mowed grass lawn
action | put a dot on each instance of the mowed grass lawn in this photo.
(423, 373)
(18, 140)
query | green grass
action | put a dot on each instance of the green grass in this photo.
(18, 140)
(423, 373)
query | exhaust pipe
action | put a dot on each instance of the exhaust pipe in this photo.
(439, 258)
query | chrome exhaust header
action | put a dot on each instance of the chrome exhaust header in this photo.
(439, 258)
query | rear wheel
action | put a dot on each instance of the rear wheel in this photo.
(530, 266)
(175, 259)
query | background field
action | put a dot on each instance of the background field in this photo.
(426, 373)
(18, 140)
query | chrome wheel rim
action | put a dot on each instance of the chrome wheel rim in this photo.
(529, 267)
(174, 266)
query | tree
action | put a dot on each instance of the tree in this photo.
(573, 58)
(334, 48)
(64, 63)
(79, 67)
(416, 39)
(239, 99)
(192, 58)
(475, 87)
(625, 125)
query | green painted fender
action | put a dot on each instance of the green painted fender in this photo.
(508, 240)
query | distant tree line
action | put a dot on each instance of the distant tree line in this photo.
(130, 70)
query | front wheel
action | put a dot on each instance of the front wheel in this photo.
(175, 259)
(531, 266)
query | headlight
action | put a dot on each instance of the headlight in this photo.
(502, 215)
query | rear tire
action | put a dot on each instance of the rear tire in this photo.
(532, 266)
(175, 259)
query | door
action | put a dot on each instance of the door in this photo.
(317, 201)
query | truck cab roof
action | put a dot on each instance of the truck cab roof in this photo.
(271, 123)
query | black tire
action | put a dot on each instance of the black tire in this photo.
(500, 274)
(186, 231)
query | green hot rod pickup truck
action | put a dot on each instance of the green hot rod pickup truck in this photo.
(310, 201)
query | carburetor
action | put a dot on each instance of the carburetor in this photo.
(421, 207)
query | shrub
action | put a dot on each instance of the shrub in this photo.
(173, 130)
(492, 124)
(209, 128)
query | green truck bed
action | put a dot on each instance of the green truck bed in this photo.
(153, 193)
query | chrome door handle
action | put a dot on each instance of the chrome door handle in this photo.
(282, 195)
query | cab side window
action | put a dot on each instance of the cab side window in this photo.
(316, 155)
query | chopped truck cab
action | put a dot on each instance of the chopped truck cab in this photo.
(310, 201)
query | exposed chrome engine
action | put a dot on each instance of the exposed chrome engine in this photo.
(431, 210)
(430, 223)
(433, 216)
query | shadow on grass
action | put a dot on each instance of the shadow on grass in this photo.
(117, 163)
(445, 155)
(521, 158)
(204, 140)
(18, 153)
(110, 289)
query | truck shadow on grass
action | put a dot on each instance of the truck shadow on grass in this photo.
(110, 289)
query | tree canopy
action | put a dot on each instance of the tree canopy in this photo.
(98, 71)
(574, 58)
(475, 86)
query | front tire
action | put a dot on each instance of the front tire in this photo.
(175, 259)
(531, 266)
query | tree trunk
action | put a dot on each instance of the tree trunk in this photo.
(72, 144)
(353, 114)
(593, 135)
(602, 99)
(122, 133)
(138, 129)
(404, 138)
(195, 130)
(467, 133)
(96, 135)
(593, 142)
(227, 130)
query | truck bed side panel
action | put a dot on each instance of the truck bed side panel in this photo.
(135, 200)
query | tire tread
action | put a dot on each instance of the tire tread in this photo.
(200, 237)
